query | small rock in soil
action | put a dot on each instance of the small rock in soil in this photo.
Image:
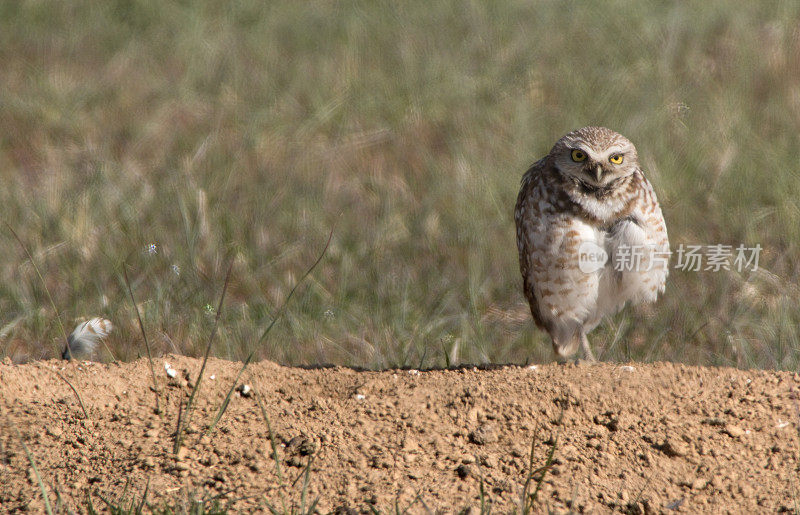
(674, 447)
(734, 431)
(464, 471)
(483, 435)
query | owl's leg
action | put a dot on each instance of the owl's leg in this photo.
(566, 339)
(587, 351)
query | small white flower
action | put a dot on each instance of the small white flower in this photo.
(328, 314)
(176, 270)
(152, 249)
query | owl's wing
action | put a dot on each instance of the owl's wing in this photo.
(655, 268)
(526, 209)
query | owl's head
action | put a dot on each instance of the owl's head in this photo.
(594, 156)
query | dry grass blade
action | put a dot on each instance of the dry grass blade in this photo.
(144, 497)
(144, 337)
(541, 472)
(44, 284)
(180, 417)
(306, 484)
(529, 475)
(45, 496)
(75, 391)
(528, 500)
(486, 506)
(274, 445)
(281, 310)
(224, 406)
(272, 441)
(189, 403)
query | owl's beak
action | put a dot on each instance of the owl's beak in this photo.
(598, 172)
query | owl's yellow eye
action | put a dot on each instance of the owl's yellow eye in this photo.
(616, 159)
(578, 155)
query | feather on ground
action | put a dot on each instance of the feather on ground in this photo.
(83, 341)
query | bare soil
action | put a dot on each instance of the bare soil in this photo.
(635, 438)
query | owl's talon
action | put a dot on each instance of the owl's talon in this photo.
(587, 351)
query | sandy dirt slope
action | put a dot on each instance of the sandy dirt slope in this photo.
(635, 438)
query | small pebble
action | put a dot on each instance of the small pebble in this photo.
(245, 390)
(675, 447)
(735, 431)
(484, 434)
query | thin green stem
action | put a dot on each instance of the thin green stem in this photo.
(189, 403)
(44, 284)
(144, 336)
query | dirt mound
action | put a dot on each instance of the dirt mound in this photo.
(635, 438)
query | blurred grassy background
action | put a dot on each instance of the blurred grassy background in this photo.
(174, 135)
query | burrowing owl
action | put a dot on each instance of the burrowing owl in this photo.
(590, 234)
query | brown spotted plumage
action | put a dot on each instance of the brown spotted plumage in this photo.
(587, 197)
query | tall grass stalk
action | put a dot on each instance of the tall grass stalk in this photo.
(187, 412)
(75, 391)
(144, 337)
(224, 406)
(536, 476)
(44, 285)
(45, 496)
(274, 444)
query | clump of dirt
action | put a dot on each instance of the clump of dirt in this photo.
(634, 438)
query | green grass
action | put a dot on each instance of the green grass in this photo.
(247, 130)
